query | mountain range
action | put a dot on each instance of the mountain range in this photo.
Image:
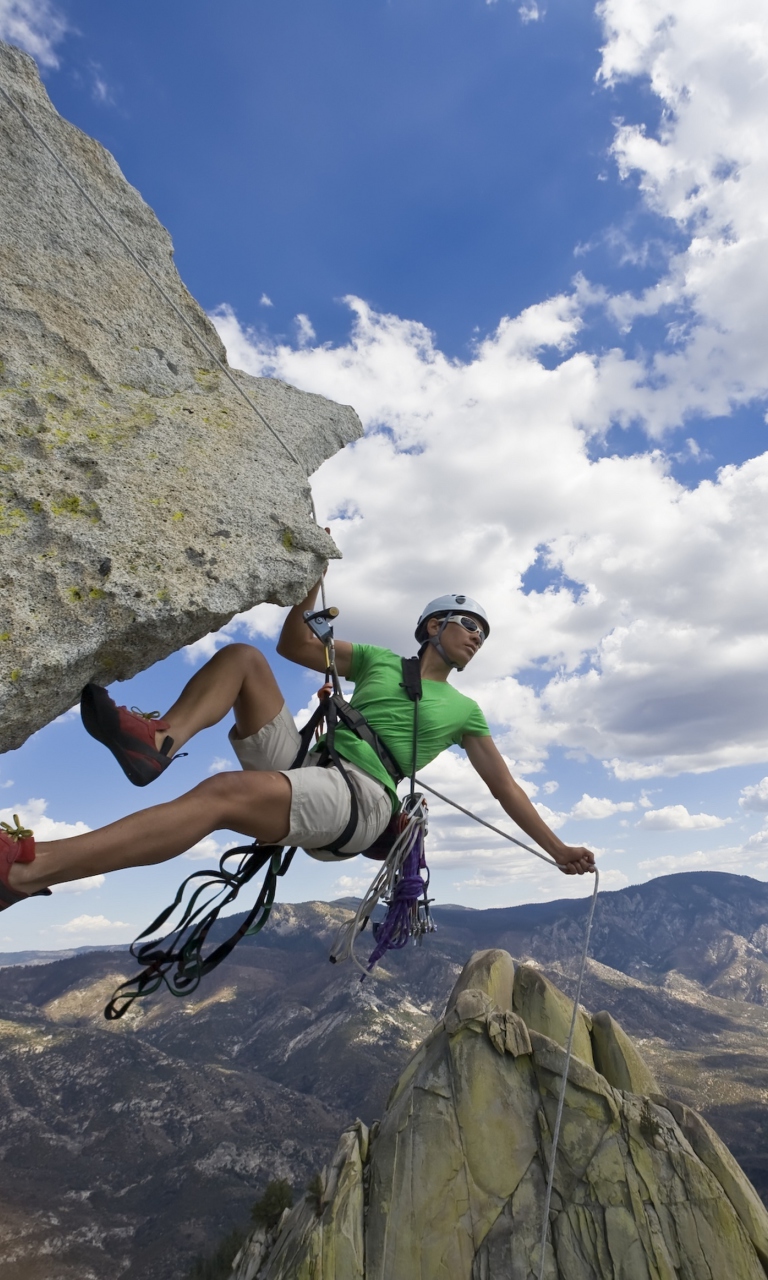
(128, 1148)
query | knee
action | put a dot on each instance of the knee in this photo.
(251, 660)
(220, 790)
(227, 793)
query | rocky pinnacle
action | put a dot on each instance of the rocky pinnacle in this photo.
(451, 1182)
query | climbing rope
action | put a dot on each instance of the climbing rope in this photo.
(576, 1002)
(398, 882)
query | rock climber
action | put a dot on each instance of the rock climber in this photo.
(309, 806)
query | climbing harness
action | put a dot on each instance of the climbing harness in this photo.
(399, 882)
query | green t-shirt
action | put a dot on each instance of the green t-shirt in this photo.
(445, 715)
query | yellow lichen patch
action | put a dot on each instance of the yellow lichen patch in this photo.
(5, 635)
(96, 593)
(16, 674)
(178, 515)
(11, 518)
(287, 539)
(71, 504)
(207, 379)
(74, 594)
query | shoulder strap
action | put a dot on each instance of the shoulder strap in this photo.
(412, 678)
(412, 685)
(352, 719)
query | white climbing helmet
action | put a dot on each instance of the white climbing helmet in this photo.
(442, 606)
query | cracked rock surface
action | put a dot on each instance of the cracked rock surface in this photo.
(142, 502)
(450, 1184)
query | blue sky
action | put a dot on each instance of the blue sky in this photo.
(528, 244)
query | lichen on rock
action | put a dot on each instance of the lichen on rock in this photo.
(142, 502)
(450, 1185)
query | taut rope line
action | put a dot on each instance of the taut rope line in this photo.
(576, 1001)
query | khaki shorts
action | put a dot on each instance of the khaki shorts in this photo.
(320, 801)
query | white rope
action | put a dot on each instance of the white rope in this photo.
(566, 1068)
(142, 266)
(576, 1001)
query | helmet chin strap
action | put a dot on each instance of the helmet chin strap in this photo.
(435, 641)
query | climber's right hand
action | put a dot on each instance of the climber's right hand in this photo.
(575, 860)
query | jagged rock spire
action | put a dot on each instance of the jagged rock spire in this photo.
(450, 1185)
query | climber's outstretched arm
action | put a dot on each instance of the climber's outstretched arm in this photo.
(490, 764)
(298, 644)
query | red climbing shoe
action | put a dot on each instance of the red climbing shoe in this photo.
(130, 735)
(17, 844)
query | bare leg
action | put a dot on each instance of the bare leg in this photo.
(254, 803)
(238, 677)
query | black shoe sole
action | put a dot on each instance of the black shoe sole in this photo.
(140, 763)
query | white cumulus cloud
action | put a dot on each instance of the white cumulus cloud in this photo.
(34, 25)
(209, 849)
(220, 764)
(749, 860)
(593, 807)
(353, 886)
(32, 814)
(755, 798)
(263, 621)
(675, 817)
(642, 675)
(79, 886)
(85, 926)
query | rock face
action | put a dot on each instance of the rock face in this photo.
(142, 502)
(450, 1185)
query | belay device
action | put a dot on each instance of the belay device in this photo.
(177, 960)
